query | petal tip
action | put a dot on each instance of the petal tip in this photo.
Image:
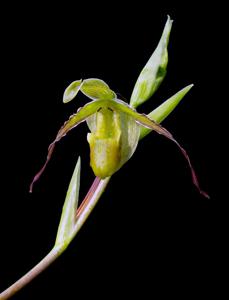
(205, 195)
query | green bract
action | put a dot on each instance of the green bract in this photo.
(154, 71)
(68, 217)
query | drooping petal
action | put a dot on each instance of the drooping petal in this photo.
(72, 90)
(97, 89)
(82, 114)
(147, 122)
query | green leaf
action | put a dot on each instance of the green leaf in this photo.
(154, 71)
(67, 221)
(97, 89)
(162, 111)
(72, 90)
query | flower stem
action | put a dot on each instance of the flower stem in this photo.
(24, 280)
(82, 214)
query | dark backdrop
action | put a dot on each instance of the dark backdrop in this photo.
(151, 231)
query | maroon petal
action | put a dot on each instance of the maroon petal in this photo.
(145, 121)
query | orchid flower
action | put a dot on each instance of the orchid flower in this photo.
(115, 130)
(114, 126)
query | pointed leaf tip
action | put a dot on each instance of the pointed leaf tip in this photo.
(165, 109)
(67, 220)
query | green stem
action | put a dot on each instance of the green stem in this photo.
(83, 213)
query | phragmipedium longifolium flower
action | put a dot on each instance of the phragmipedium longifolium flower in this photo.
(115, 129)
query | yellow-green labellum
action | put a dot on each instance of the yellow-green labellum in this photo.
(113, 139)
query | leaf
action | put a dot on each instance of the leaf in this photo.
(72, 90)
(162, 111)
(82, 114)
(67, 221)
(97, 89)
(154, 71)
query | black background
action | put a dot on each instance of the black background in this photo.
(151, 231)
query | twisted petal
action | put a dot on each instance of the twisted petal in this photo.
(82, 114)
(148, 123)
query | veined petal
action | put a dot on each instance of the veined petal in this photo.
(82, 114)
